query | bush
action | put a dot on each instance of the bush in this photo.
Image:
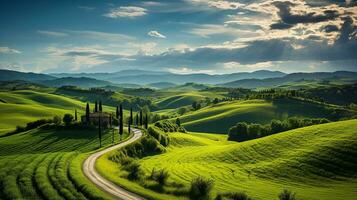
(57, 120)
(200, 188)
(239, 132)
(134, 170)
(67, 119)
(287, 195)
(238, 196)
(160, 176)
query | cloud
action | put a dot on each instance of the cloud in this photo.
(288, 19)
(52, 33)
(187, 70)
(7, 50)
(96, 35)
(156, 34)
(126, 11)
(207, 30)
(219, 4)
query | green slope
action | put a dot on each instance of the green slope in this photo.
(316, 162)
(220, 117)
(45, 163)
(20, 107)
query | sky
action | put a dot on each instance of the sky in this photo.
(179, 36)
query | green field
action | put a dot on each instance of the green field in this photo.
(20, 107)
(316, 162)
(220, 117)
(46, 163)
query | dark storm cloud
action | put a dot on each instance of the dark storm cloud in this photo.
(288, 20)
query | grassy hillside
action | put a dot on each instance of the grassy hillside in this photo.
(45, 163)
(220, 117)
(22, 106)
(180, 99)
(316, 162)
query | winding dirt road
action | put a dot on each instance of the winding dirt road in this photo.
(104, 184)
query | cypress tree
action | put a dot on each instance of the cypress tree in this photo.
(137, 120)
(117, 112)
(129, 126)
(100, 106)
(121, 125)
(146, 121)
(131, 116)
(96, 107)
(178, 122)
(87, 113)
(141, 117)
(100, 131)
(75, 114)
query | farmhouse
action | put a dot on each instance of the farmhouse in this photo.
(94, 118)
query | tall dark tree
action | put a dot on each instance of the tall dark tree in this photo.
(100, 131)
(96, 107)
(146, 121)
(131, 116)
(141, 117)
(100, 106)
(110, 125)
(117, 112)
(121, 117)
(129, 126)
(137, 120)
(87, 113)
(75, 114)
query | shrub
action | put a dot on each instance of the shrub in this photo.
(162, 176)
(238, 196)
(287, 195)
(67, 119)
(134, 170)
(200, 188)
(57, 120)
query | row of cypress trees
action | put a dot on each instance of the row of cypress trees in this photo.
(141, 120)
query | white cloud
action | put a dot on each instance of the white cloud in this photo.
(52, 33)
(156, 34)
(219, 4)
(207, 30)
(247, 67)
(126, 11)
(186, 70)
(7, 50)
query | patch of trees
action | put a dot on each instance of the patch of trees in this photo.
(243, 131)
(167, 126)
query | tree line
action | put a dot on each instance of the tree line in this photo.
(243, 131)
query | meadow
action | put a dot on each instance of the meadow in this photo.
(316, 162)
(46, 163)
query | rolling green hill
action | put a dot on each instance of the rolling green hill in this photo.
(45, 163)
(22, 106)
(220, 117)
(316, 162)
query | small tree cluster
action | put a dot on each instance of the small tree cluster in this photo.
(243, 131)
(200, 188)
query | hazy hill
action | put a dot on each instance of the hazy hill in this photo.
(80, 82)
(143, 77)
(161, 85)
(9, 75)
(270, 82)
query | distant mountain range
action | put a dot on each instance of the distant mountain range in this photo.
(143, 77)
(271, 82)
(160, 80)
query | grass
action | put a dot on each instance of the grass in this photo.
(316, 162)
(45, 163)
(24, 106)
(180, 99)
(220, 117)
